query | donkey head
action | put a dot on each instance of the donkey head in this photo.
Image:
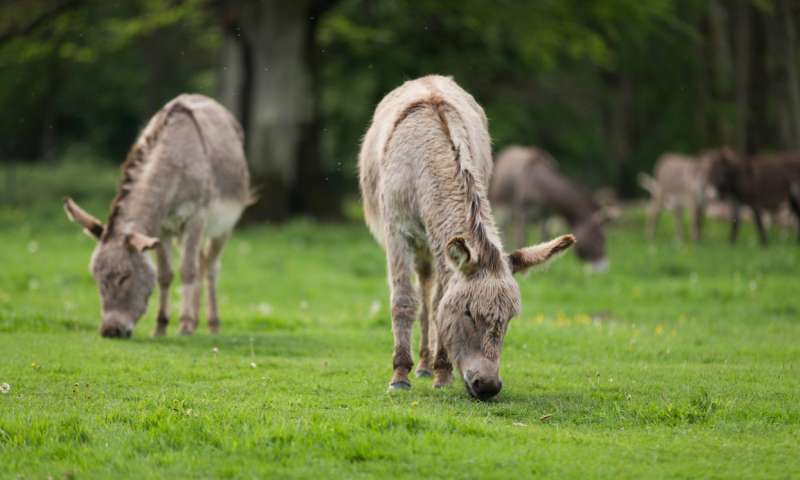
(477, 304)
(591, 245)
(590, 233)
(123, 273)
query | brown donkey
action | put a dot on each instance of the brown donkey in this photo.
(526, 181)
(424, 168)
(185, 177)
(763, 183)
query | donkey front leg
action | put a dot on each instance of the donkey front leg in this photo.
(442, 367)
(404, 307)
(165, 275)
(210, 262)
(191, 283)
(425, 276)
(762, 231)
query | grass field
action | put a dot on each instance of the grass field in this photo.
(680, 362)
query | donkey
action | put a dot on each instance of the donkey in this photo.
(424, 166)
(527, 182)
(679, 182)
(763, 183)
(185, 178)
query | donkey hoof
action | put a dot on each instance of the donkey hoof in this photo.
(423, 372)
(185, 331)
(159, 332)
(399, 385)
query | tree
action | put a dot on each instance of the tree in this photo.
(270, 80)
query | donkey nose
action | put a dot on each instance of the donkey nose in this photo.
(486, 389)
(115, 330)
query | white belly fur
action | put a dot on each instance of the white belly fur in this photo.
(222, 216)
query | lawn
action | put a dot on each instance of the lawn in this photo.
(682, 361)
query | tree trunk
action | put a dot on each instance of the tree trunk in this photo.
(760, 132)
(721, 128)
(742, 64)
(621, 129)
(269, 79)
(792, 78)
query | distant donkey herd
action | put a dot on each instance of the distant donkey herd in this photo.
(425, 171)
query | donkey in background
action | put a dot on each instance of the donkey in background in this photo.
(679, 182)
(764, 183)
(424, 168)
(527, 183)
(186, 178)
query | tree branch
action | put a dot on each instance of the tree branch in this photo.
(37, 22)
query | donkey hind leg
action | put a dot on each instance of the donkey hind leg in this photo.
(442, 368)
(425, 276)
(165, 276)
(794, 202)
(191, 282)
(210, 267)
(404, 305)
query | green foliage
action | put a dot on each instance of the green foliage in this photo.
(546, 72)
(96, 72)
(680, 362)
(606, 86)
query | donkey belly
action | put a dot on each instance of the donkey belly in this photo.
(222, 216)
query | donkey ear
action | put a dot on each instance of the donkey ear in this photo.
(528, 257)
(462, 256)
(140, 242)
(91, 225)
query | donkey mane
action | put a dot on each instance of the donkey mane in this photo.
(488, 254)
(137, 157)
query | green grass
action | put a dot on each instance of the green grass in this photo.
(683, 361)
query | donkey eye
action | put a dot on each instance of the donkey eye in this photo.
(471, 318)
(122, 279)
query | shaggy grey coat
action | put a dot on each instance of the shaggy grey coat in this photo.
(425, 165)
(528, 184)
(679, 182)
(185, 178)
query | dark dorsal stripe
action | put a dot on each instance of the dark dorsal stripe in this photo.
(137, 157)
(488, 254)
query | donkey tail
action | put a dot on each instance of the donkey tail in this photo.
(648, 183)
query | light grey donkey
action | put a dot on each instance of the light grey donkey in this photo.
(185, 178)
(527, 182)
(425, 165)
(679, 182)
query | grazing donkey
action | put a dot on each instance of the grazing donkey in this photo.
(763, 183)
(527, 182)
(679, 182)
(424, 166)
(185, 177)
